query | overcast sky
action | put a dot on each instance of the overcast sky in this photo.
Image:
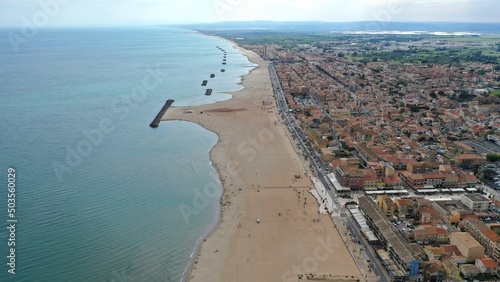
(140, 12)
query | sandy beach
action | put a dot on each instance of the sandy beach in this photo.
(263, 178)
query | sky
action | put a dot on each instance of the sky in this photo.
(47, 13)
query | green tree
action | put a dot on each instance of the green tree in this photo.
(489, 174)
(463, 95)
(493, 157)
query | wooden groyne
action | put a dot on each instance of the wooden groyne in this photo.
(158, 117)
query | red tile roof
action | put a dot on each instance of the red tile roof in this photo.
(489, 263)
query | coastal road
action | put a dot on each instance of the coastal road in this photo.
(320, 168)
(312, 155)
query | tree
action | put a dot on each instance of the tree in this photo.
(489, 174)
(475, 170)
(433, 95)
(463, 95)
(493, 157)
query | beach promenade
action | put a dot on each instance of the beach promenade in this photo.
(263, 178)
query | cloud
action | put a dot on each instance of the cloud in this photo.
(123, 12)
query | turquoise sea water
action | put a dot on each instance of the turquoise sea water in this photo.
(100, 196)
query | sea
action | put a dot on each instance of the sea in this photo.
(99, 195)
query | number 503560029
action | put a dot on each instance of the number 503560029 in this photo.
(11, 188)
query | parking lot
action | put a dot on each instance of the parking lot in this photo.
(403, 226)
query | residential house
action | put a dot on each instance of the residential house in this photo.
(405, 208)
(487, 265)
(428, 215)
(386, 204)
(469, 160)
(350, 176)
(422, 167)
(434, 253)
(327, 154)
(433, 271)
(370, 180)
(451, 269)
(469, 270)
(453, 252)
(442, 235)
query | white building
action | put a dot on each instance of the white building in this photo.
(476, 202)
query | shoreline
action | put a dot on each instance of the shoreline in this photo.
(237, 248)
(219, 213)
(198, 244)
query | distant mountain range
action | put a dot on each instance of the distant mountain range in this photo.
(321, 27)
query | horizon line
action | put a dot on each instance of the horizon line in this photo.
(243, 21)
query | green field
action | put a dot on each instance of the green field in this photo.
(495, 91)
(478, 39)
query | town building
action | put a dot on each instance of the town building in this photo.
(485, 236)
(406, 263)
(487, 265)
(476, 202)
(467, 245)
(469, 160)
